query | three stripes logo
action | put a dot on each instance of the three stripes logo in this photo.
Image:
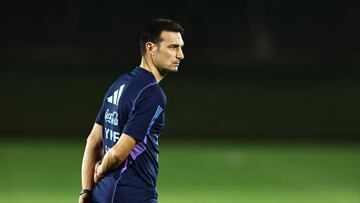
(114, 99)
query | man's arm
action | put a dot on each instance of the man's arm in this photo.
(116, 155)
(92, 154)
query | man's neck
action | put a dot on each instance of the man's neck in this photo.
(149, 66)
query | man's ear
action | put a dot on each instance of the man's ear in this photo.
(150, 47)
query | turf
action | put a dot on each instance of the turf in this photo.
(194, 172)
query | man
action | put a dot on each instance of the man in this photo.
(120, 162)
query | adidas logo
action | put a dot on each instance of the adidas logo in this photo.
(114, 99)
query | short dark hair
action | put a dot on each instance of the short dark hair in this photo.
(152, 30)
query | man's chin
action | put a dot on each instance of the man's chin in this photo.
(174, 69)
(164, 71)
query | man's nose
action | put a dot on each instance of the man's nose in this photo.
(180, 54)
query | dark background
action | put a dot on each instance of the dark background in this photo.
(253, 69)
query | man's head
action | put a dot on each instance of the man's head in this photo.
(161, 41)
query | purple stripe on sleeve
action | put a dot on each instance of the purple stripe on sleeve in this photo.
(138, 149)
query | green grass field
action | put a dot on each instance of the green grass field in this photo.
(43, 172)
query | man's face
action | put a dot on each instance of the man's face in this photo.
(168, 53)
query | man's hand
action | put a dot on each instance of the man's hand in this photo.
(85, 198)
(96, 176)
